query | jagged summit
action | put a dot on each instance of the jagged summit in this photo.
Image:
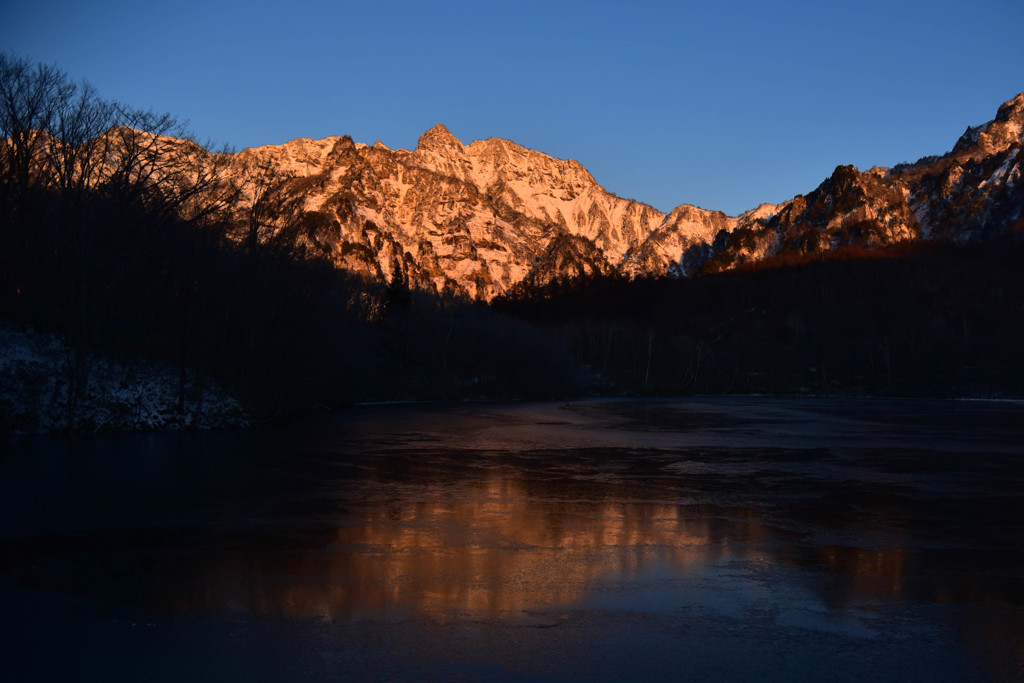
(437, 138)
(480, 218)
(466, 218)
(1013, 106)
(973, 192)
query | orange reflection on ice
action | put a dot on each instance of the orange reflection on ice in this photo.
(484, 550)
(497, 552)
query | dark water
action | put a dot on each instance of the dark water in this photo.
(724, 539)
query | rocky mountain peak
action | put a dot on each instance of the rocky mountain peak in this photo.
(996, 136)
(762, 211)
(437, 139)
(567, 257)
(480, 218)
(344, 143)
(1012, 109)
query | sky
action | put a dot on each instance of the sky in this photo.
(725, 104)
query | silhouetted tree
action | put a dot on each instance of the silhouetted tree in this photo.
(74, 168)
(397, 295)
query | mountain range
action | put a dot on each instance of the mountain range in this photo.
(481, 219)
(285, 274)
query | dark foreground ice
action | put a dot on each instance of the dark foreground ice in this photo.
(704, 539)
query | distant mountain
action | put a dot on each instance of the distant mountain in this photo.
(474, 219)
(478, 219)
(972, 193)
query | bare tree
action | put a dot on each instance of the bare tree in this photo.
(71, 160)
(31, 97)
(61, 136)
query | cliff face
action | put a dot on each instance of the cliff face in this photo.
(973, 192)
(474, 219)
(478, 219)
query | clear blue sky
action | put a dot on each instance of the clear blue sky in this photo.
(723, 104)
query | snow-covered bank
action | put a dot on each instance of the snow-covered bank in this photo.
(121, 393)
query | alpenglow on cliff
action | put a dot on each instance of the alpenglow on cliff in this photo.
(474, 219)
(478, 219)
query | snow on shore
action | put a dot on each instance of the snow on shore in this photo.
(122, 392)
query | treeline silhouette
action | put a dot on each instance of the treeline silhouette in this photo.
(923, 319)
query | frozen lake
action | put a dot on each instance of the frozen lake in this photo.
(703, 539)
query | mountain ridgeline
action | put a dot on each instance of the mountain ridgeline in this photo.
(482, 219)
(473, 220)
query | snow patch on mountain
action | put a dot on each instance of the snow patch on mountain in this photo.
(475, 218)
(487, 210)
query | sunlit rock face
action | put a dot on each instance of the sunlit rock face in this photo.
(477, 219)
(973, 192)
(468, 218)
(683, 228)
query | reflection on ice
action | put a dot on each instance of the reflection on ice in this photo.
(480, 549)
(830, 518)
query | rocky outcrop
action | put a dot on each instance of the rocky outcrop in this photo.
(478, 218)
(973, 192)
